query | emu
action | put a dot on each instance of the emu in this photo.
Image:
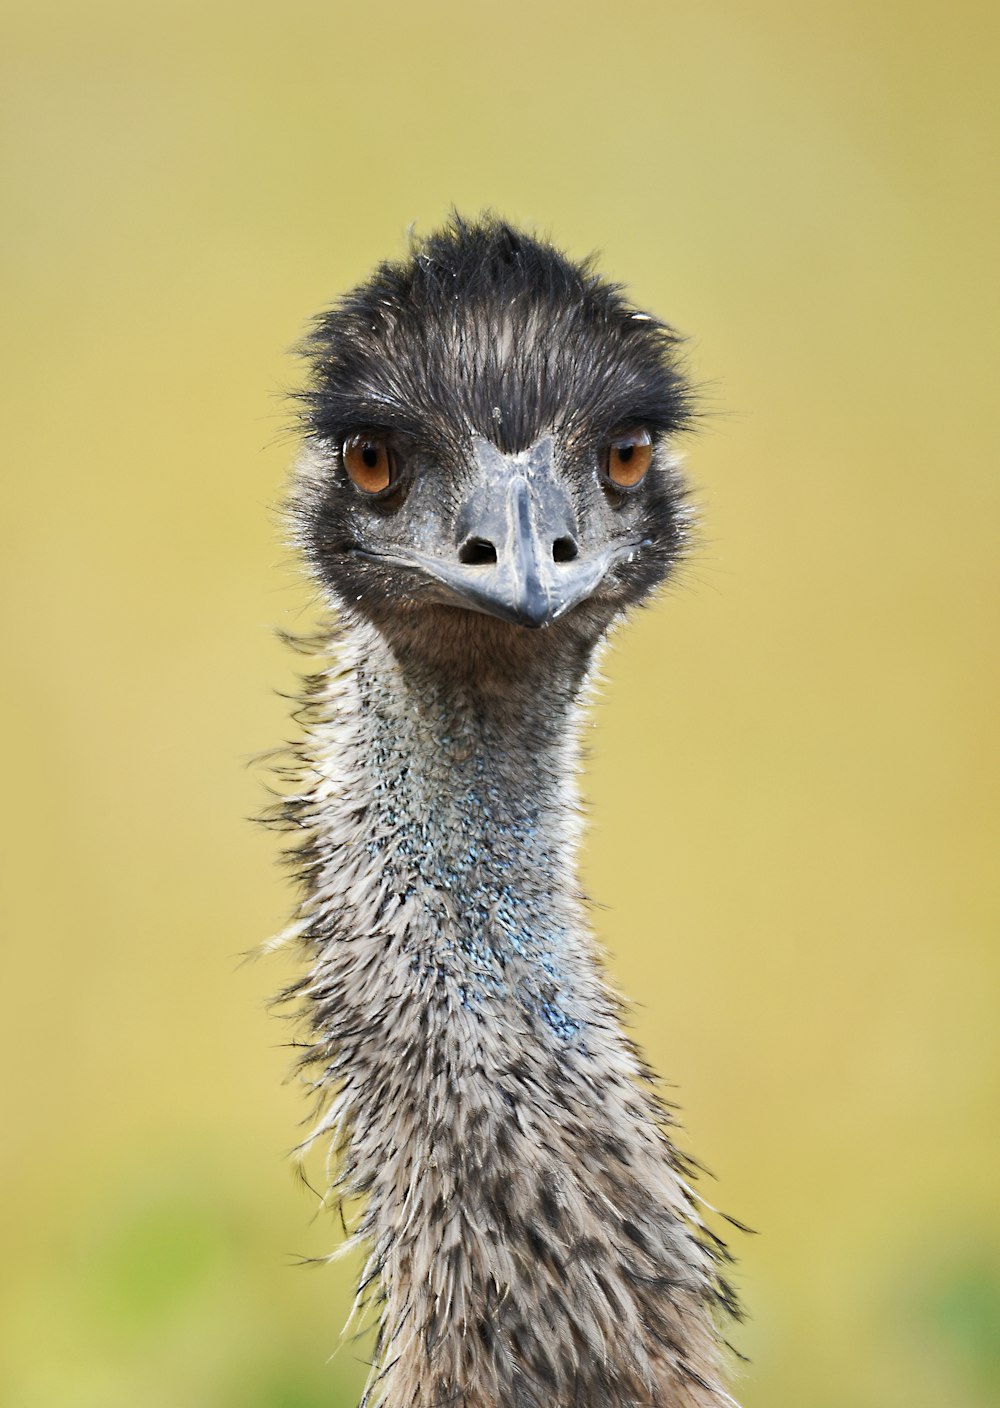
(488, 483)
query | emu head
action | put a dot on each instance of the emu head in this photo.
(488, 440)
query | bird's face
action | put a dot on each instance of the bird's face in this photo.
(524, 536)
(494, 440)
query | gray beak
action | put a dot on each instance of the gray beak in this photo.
(517, 554)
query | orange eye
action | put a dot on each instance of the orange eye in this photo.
(368, 462)
(629, 457)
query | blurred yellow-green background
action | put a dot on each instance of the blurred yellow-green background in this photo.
(795, 766)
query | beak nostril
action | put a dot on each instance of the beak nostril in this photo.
(475, 552)
(564, 550)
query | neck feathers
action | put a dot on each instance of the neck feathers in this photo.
(532, 1236)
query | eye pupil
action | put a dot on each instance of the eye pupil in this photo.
(625, 452)
(370, 455)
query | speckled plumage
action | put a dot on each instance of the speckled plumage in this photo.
(534, 1242)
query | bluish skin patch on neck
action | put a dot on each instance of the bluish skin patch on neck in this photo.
(454, 808)
(564, 1027)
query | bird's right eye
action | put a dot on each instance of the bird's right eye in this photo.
(370, 464)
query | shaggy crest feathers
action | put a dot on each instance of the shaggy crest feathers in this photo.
(534, 1238)
(538, 342)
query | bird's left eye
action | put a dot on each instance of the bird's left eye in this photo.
(369, 462)
(629, 457)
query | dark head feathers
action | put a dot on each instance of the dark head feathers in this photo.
(487, 330)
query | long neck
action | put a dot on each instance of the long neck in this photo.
(530, 1230)
(463, 799)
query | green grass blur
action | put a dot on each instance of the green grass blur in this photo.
(795, 763)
